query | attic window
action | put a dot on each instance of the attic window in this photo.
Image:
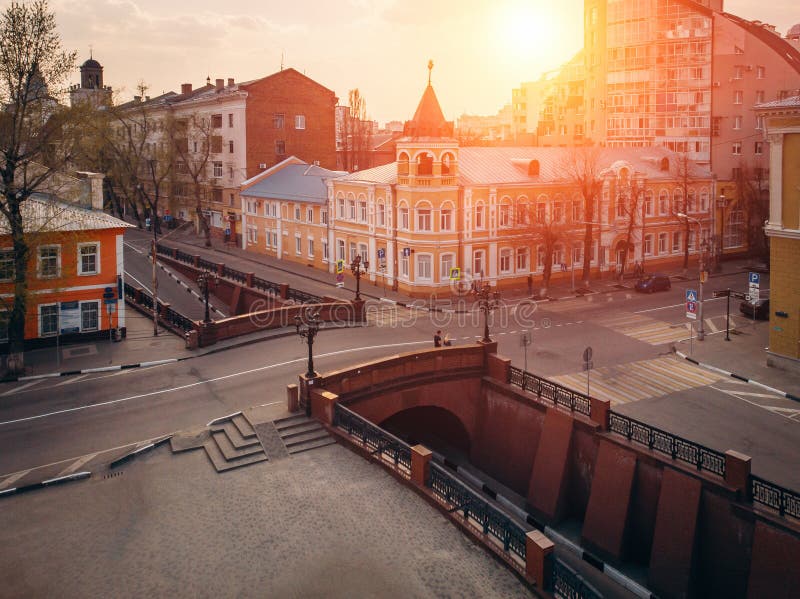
(665, 164)
(533, 168)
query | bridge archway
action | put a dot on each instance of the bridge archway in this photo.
(434, 427)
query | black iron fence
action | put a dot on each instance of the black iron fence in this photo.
(558, 394)
(383, 444)
(571, 585)
(674, 446)
(184, 257)
(233, 274)
(782, 500)
(145, 300)
(301, 297)
(266, 286)
(492, 521)
(207, 265)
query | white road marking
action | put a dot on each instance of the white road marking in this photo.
(6, 484)
(20, 388)
(142, 285)
(75, 465)
(736, 394)
(72, 379)
(214, 380)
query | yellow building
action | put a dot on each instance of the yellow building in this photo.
(782, 120)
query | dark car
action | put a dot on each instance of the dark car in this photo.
(653, 282)
(759, 310)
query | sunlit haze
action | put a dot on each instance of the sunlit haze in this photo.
(481, 49)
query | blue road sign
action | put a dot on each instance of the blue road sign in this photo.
(381, 253)
(755, 278)
(406, 252)
(691, 295)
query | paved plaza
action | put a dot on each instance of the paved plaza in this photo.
(324, 523)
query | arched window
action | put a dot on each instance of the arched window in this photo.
(381, 215)
(446, 217)
(533, 168)
(480, 216)
(665, 164)
(402, 216)
(424, 164)
(402, 164)
(505, 212)
(340, 207)
(677, 200)
(424, 217)
(663, 202)
(448, 164)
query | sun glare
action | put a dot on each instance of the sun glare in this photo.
(525, 33)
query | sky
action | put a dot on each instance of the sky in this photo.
(481, 49)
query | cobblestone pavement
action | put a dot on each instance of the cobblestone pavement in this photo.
(323, 523)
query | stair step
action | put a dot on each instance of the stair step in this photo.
(222, 465)
(271, 441)
(281, 423)
(244, 426)
(229, 451)
(306, 437)
(321, 442)
(298, 429)
(235, 435)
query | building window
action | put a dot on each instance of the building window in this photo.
(353, 251)
(49, 261)
(736, 148)
(648, 203)
(6, 265)
(760, 96)
(424, 267)
(88, 258)
(230, 146)
(733, 236)
(340, 207)
(446, 266)
(541, 213)
(325, 255)
(300, 121)
(759, 122)
(477, 262)
(216, 121)
(363, 251)
(737, 122)
(479, 216)
(217, 169)
(446, 219)
(310, 215)
(761, 72)
(738, 96)
(423, 220)
(277, 121)
(648, 245)
(362, 211)
(505, 260)
(403, 215)
(381, 214)
(90, 310)
(577, 255)
(48, 320)
(323, 217)
(558, 212)
(280, 147)
(340, 249)
(676, 242)
(252, 234)
(663, 202)
(738, 71)
(297, 213)
(230, 119)
(310, 248)
(351, 209)
(505, 215)
(758, 148)
(404, 266)
(662, 243)
(736, 173)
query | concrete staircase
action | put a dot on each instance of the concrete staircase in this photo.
(300, 433)
(232, 444)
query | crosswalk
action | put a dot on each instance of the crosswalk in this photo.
(384, 315)
(657, 332)
(640, 380)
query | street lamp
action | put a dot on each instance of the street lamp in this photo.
(720, 247)
(359, 268)
(312, 322)
(204, 281)
(701, 333)
(488, 301)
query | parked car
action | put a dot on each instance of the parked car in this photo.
(653, 282)
(759, 310)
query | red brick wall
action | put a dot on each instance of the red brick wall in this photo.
(290, 93)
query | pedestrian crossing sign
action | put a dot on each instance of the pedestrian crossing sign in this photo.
(339, 267)
(691, 295)
(455, 273)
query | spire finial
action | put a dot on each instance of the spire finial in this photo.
(430, 68)
(90, 52)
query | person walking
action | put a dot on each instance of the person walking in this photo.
(437, 339)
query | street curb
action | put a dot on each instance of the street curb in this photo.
(45, 483)
(137, 452)
(737, 376)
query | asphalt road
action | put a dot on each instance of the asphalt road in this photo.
(63, 418)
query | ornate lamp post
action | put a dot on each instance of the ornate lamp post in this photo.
(488, 301)
(308, 333)
(359, 268)
(204, 281)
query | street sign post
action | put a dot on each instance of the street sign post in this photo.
(754, 284)
(381, 253)
(587, 364)
(691, 304)
(525, 340)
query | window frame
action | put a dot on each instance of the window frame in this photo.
(40, 323)
(40, 274)
(89, 244)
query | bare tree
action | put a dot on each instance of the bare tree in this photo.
(37, 135)
(545, 227)
(357, 133)
(582, 168)
(753, 193)
(630, 196)
(192, 142)
(682, 170)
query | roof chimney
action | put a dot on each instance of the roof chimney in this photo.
(220, 84)
(137, 98)
(186, 88)
(230, 81)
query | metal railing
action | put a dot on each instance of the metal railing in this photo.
(184, 257)
(266, 286)
(301, 297)
(234, 274)
(168, 315)
(571, 585)
(383, 444)
(782, 500)
(207, 265)
(492, 521)
(674, 446)
(558, 394)
(177, 319)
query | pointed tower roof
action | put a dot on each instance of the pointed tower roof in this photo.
(429, 119)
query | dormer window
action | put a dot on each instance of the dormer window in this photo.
(533, 168)
(665, 164)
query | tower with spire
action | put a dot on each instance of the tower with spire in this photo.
(91, 88)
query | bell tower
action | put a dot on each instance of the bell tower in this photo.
(91, 87)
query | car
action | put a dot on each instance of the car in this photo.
(759, 310)
(653, 282)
